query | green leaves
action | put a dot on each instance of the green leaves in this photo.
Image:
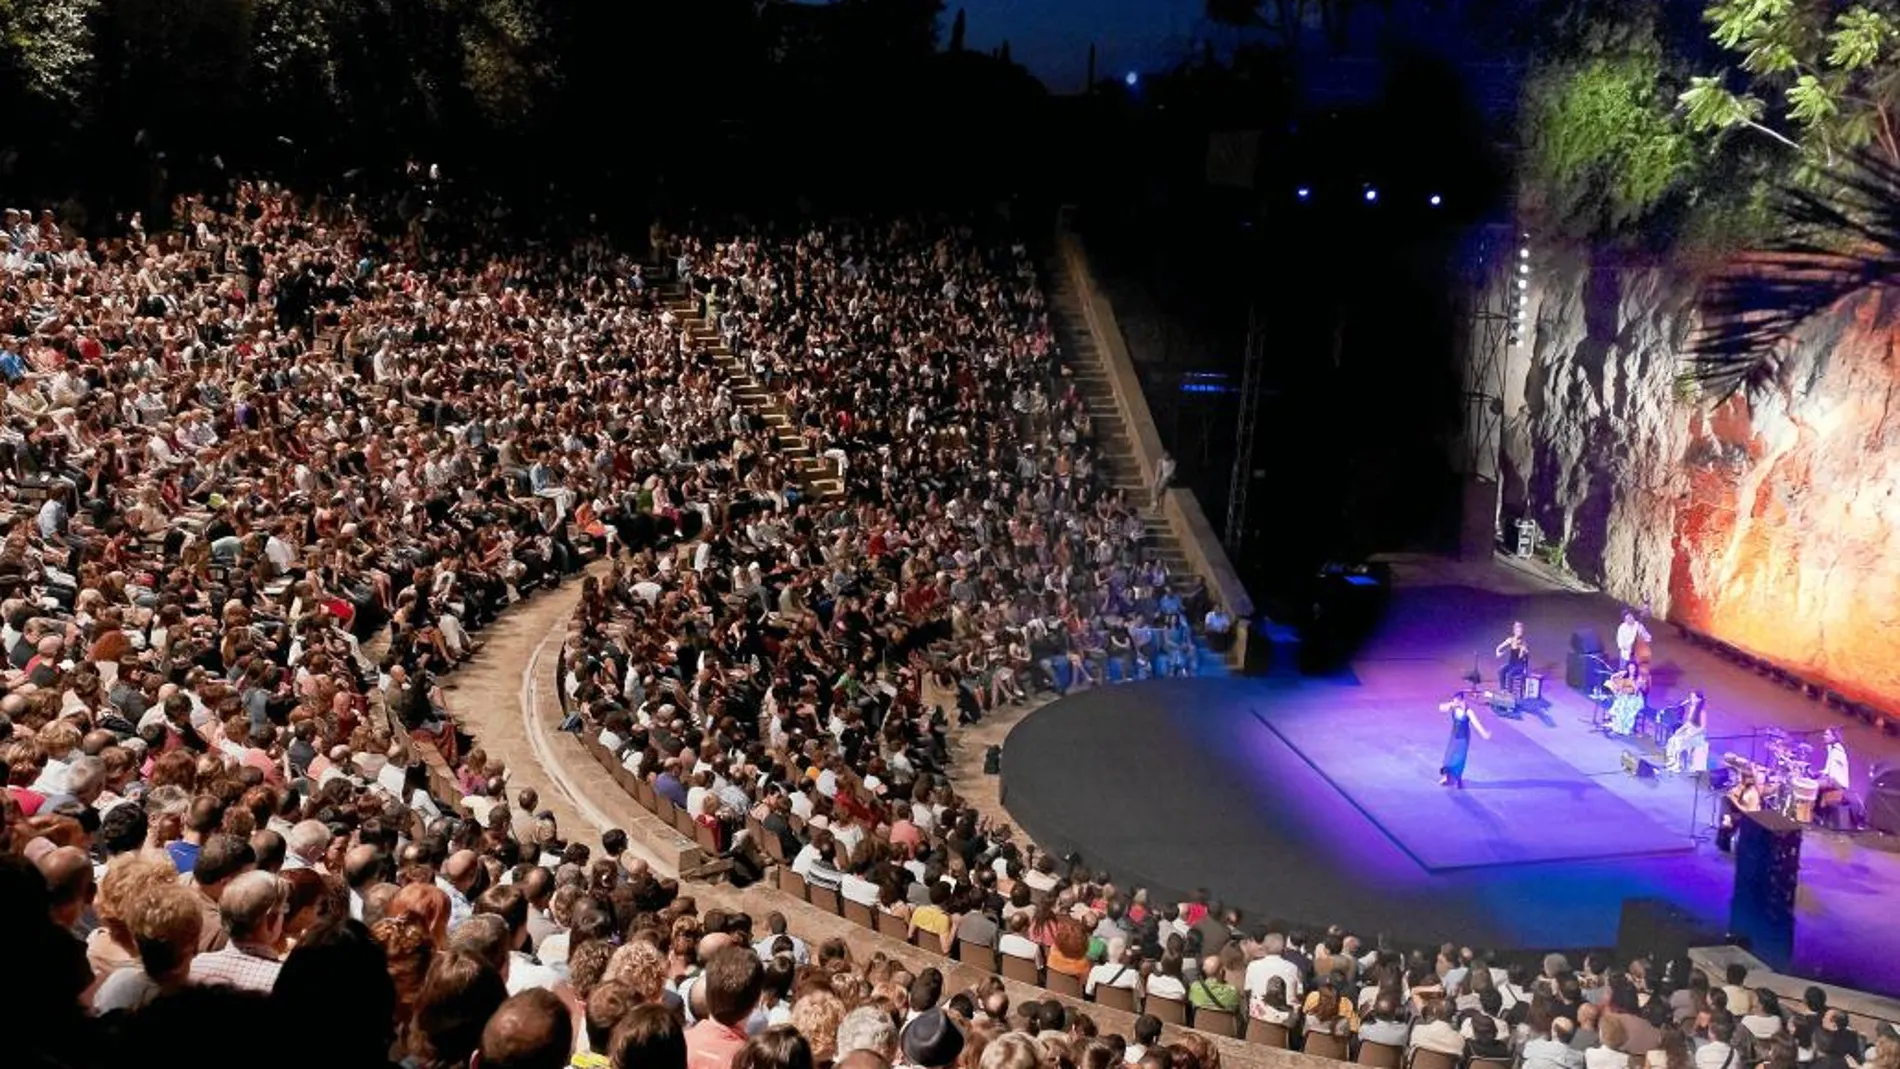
(1859, 37)
(1810, 102)
(1709, 105)
(1601, 141)
(1816, 80)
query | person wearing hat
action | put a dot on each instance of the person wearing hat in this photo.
(930, 1041)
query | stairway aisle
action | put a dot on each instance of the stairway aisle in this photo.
(819, 477)
(1115, 448)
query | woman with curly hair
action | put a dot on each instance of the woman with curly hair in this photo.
(111, 945)
(817, 1015)
(409, 951)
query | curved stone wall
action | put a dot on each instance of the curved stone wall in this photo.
(1770, 521)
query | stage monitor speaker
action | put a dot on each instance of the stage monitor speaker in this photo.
(1637, 765)
(1585, 640)
(1767, 877)
(1663, 932)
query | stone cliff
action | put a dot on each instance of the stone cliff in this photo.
(1769, 520)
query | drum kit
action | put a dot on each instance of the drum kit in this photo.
(1787, 784)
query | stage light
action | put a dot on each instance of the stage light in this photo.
(1303, 193)
(1524, 253)
(1372, 195)
(1131, 79)
(1523, 283)
(1437, 200)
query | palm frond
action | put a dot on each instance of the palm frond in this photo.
(1841, 236)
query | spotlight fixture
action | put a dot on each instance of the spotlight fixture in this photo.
(1131, 79)
(1519, 295)
(1303, 193)
(1372, 195)
(1437, 200)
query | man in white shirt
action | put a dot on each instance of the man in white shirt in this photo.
(1122, 969)
(1838, 771)
(1626, 635)
(1271, 964)
(1717, 1053)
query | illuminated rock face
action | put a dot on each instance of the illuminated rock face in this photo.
(1771, 521)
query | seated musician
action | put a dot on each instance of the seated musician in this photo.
(1627, 701)
(1837, 779)
(1516, 654)
(1687, 748)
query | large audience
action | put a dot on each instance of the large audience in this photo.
(272, 469)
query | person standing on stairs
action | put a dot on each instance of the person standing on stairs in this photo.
(1164, 474)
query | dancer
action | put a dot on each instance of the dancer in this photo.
(1464, 720)
(1516, 654)
(1687, 748)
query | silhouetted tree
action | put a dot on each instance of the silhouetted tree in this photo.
(956, 32)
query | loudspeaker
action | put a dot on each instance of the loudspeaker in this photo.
(1767, 877)
(1478, 533)
(1883, 799)
(1583, 671)
(1637, 765)
(1663, 932)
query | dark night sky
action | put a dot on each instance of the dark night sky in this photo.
(1051, 37)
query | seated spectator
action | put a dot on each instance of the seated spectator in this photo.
(1434, 1030)
(1211, 991)
(731, 985)
(164, 922)
(1326, 1010)
(1609, 1052)
(1552, 1050)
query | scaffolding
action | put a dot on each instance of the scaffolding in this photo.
(1252, 374)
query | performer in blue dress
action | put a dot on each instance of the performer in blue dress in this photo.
(1626, 705)
(1464, 720)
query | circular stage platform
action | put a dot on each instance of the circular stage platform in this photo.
(1317, 800)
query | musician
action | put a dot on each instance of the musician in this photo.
(1837, 771)
(1687, 746)
(1833, 801)
(1516, 654)
(1626, 702)
(1744, 797)
(1628, 634)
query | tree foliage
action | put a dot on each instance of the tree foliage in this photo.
(1602, 147)
(1821, 78)
(151, 89)
(46, 56)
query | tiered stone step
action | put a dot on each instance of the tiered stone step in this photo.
(1115, 449)
(818, 475)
